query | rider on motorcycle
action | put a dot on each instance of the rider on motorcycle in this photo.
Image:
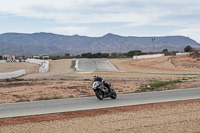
(97, 78)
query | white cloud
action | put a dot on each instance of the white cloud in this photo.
(137, 12)
(69, 30)
(192, 31)
(178, 13)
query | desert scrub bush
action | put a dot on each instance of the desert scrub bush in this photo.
(23, 100)
(48, 98)
(184, 78)
(42, 98)
(57, 97)
(156, 84)
(19, 83)
(71, 96)
(11, 84)
(19, 79)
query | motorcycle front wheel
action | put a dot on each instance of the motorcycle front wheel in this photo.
(114, 94)
(99, 94)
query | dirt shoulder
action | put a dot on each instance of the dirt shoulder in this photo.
(180, 116)
(11, 67)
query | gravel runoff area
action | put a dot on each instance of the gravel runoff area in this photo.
(22, 91)
(176, 117)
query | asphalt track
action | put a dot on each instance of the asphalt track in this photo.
(91, 65)
(95, 65)
(88, 103)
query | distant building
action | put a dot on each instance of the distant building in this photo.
(9, 57)
(41, 57)
(36, 57)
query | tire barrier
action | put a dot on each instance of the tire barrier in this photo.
(14, 74)
(44, 64)
(148, 56)
(11, 61)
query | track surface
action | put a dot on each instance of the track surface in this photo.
(96, 65)
(87, 103)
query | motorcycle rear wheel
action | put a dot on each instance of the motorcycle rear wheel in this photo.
(99, 94)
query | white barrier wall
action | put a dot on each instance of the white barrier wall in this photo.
(44, 64)
(45, 67)
(34, 61)
(185, 53)
(148, 56)
(14, 74)
(3, 61)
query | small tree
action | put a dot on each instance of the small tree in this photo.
(188, 49)
(134, 52)
(165, 51)
(67, 54)
(114, 55)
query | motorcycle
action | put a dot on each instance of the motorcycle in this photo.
(102, 91)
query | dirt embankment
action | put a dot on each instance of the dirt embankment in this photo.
(183, 63)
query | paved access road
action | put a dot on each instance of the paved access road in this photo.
(87, 103)
(95, 65)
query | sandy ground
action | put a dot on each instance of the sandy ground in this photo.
(56, 70)
(63, 82)
(11, 67)
(176, 117)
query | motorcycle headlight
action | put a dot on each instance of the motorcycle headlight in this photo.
(109, 84)
(95, 84)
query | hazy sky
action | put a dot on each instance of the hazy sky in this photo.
(98, 17)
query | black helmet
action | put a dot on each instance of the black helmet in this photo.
(96, 76)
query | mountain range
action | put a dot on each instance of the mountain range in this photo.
(54, 44)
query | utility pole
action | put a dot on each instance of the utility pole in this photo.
(21, 49)
(120, 50)
(2, 49)
(153, 39)
(165, 46)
